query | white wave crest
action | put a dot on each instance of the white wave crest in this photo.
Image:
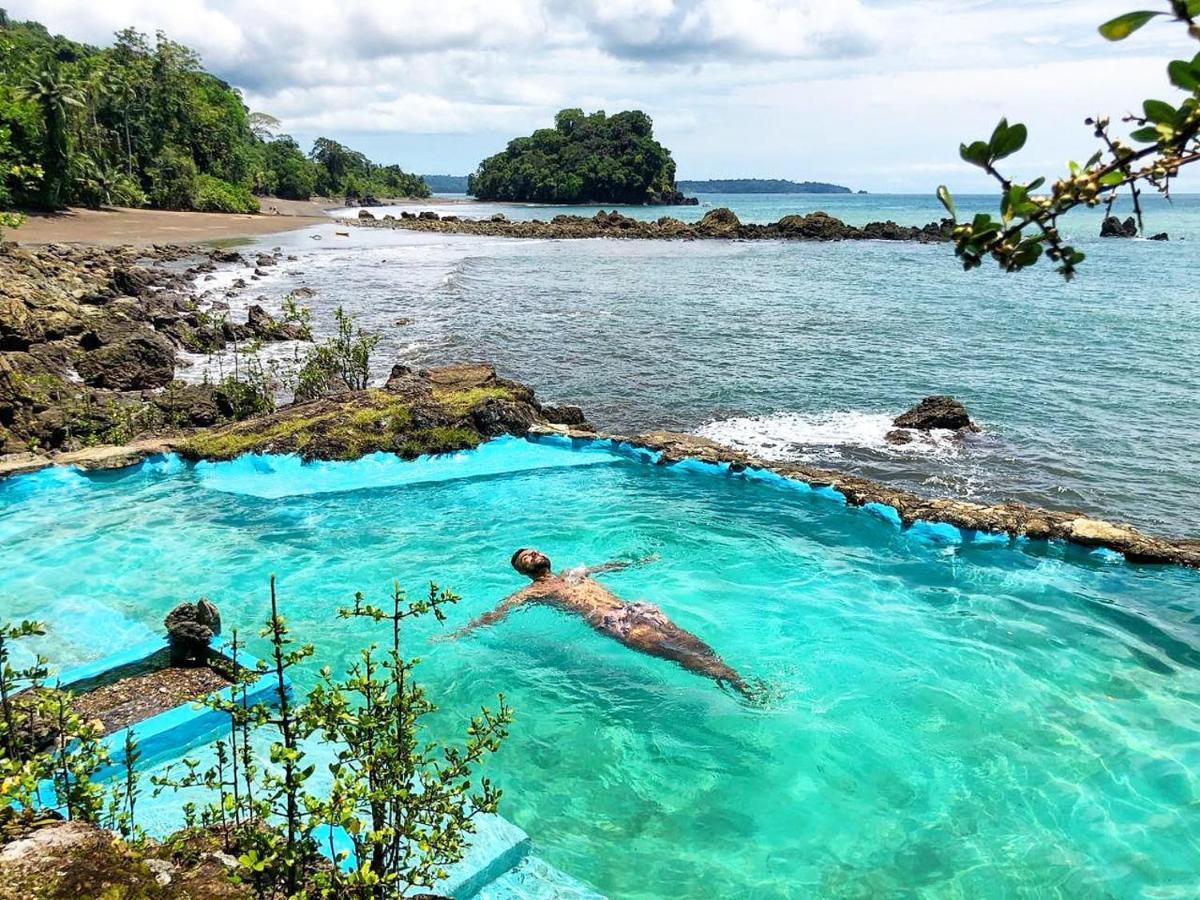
(781, 436)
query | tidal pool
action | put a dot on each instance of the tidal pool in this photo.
(947, 714)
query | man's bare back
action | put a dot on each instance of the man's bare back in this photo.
(641, 626)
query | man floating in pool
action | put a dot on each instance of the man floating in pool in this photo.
(642, 626)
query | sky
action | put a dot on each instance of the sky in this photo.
(872, 94)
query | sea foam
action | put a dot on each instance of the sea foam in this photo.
(786, 435)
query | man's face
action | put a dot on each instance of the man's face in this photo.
(531, 563)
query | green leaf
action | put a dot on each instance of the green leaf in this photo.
(1159, 112)
(1007, 139)
(1183, 75)
(1193, 7)
(1146, 135)
(1112, 179)
(943, 194)
(977, 153)
(1123, 26)
(1034, 185)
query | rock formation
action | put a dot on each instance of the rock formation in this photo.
(190, 630)
(720, 223)
(1114, 227)
(938, 412)
(89, 337)
(417, 412)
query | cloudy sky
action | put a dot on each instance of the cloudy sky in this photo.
(875, 94)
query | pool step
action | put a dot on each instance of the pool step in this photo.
(169, 734)
(536, 879)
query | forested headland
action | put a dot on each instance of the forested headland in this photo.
(447, 184)
(592, 158)
(141, 123)
(760, 186)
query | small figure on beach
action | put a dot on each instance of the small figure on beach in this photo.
(638, 625)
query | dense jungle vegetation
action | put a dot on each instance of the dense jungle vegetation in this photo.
(141, 123)
(582, 159)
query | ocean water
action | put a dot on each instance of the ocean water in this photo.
(946, 714)
(1086, 391)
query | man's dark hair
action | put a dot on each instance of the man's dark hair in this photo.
(513, 562)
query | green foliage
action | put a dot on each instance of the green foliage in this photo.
(583, 158)
(348, 173)
(1028, 225)
(759, 186)
(9, 220)
(214, 195)
(250, 389)
(173, 180)
(342, 362)
(142, 122)
(407, 804)
(42, 739)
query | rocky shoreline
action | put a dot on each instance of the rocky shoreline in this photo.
(719, 223)
(86, 335)
(89, 339)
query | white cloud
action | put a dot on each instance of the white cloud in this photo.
(875, 93)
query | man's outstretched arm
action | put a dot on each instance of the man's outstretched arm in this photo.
(491, 617)
(618, 564)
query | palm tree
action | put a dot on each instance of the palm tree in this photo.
(55, 97)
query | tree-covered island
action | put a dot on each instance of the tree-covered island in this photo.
(583, 159)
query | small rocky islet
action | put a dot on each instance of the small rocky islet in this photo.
(716, 224)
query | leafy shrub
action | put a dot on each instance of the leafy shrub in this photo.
(214, 195)
(406, 803)
(173, 180)
(343, 362)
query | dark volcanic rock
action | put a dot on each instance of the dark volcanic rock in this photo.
(817, 226)
(190, 629)
(228, 256)
(717, 224)
(144, 359)
(1114, 227)
(1161, 236)
(495, 417)
(935, 412)
(193, 405)
(564, 415)
(132, 281)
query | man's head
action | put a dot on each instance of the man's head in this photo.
(531, 563)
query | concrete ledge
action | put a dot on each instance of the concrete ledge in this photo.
(690, 452)
(171, 733)
(497, 847)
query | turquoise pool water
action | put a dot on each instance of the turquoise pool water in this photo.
(951, 715)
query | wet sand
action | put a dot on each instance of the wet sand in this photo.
(110, 227)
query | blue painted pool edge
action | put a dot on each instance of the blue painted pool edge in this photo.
(169, 733)
(924, 529)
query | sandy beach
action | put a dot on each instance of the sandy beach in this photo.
(141, 227)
